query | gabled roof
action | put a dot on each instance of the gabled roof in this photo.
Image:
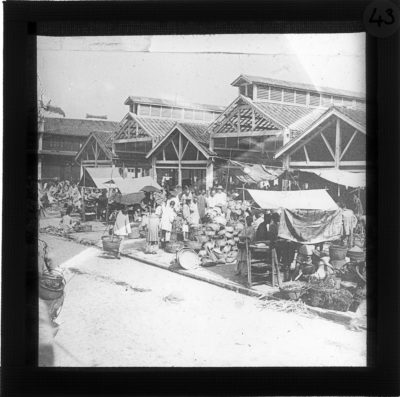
(293, 85)
(165, 102)
(354, 117)
(76, 127)
(197, 134)
(287, 115)
(156, 128)
(104, 139)
(296, 118)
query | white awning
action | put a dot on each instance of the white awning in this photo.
(317, 199)
(345, 178)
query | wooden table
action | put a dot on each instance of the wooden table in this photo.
(252, 248)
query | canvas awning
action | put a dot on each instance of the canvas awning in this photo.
(317, 199)
(344, 178)
(101, 178)
(256, 173)
(132, 188)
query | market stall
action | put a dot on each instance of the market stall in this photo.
(332, 279)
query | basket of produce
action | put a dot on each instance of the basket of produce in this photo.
(111, 244)
(292, 290)
(207, 262)
(229, 229)
(228, 235)
(337, 252)
(210, 233)
(213, 226)
(218, 253)
(173, 247)
(221, 233)
(134, 233)
(356, 254)
(187, 259)
(201, 238)
(194, 245)
(51, 286)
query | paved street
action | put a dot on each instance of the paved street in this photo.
(126, 313)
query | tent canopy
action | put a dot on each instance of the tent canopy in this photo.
(101, 178)
(345, 178)
(135, 185)
(317, 199)
(256, 173)
(131, 188)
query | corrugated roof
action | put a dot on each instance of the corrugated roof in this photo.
(166, 102)
(77, 127)
(199, 133)
(301, 86)
(286, 115)
(156, 127)
(306, 121)
(357, 115)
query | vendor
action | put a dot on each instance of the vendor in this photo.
(262, 233)
(167, 218)
(66, 221)
(202, 204)
(211, 199)
(186, 195)
(220, 197)
(186, 218)
(122, 227)
(248, 235)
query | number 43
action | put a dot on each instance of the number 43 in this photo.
(380, 20)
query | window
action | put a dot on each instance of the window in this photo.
(250, 91)
(288, 96)
(314, 99)
(347, 102)
(262, 92)
(208, 116)
(337, 100)
(219, 142)
(326, 100)
(155, 111)
(242, 90)
(166, 112)
(301, 97)
(276, 94)
(189, 114)
(144, 110)
(198, 115)
(177, 113)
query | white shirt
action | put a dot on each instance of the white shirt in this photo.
(220, 198)
(211, 201)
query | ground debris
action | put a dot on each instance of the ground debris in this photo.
(286, 306)
(172, 298)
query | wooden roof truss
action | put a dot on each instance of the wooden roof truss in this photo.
(131, 129)
(243, 118)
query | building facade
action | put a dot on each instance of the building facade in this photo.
(148, 121)
(59, 140)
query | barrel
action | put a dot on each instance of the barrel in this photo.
(337, 252)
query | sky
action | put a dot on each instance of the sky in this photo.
(95, 75)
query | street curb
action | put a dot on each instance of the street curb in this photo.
(337, 317)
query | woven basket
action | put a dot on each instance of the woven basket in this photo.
(111, 244)
(172, 248)
(356, 256)
(337, 252)
(51, 287)
(194, 245)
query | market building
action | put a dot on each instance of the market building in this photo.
(269, 115)
(148, 121)
(59, 140)
(183, 156)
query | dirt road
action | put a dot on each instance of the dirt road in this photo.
(126, 313)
